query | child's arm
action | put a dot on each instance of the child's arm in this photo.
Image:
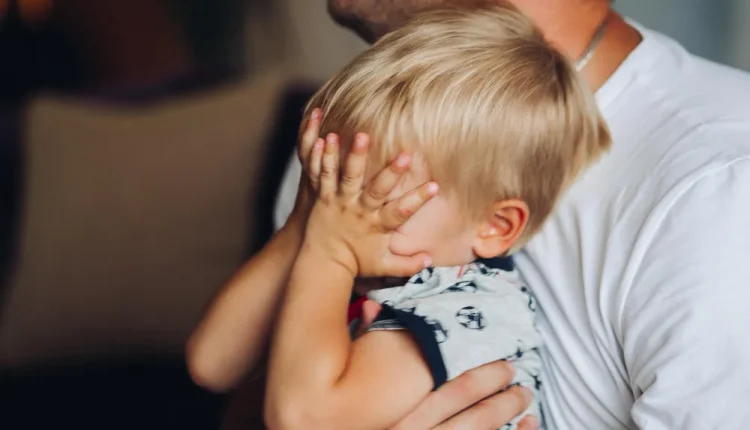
(319, 378)
(232, 335)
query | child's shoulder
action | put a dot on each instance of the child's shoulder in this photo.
(497, 276)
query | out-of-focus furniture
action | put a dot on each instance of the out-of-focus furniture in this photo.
(129, 213)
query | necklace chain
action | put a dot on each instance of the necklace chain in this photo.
(595, 40)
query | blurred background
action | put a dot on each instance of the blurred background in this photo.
(141, 146)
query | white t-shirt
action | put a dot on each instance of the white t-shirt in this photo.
(643, 272)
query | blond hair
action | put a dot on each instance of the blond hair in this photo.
(495, 111)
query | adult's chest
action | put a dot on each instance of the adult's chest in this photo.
(585, 380)
(576, 267)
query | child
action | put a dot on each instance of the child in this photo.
(502, 124)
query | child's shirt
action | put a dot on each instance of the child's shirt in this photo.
(467, 316)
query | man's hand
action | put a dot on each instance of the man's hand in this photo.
(353, 225)
(472, 401)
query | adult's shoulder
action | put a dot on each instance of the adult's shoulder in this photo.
(675, 118)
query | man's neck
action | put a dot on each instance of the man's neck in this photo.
(572, 27)
(620, 39)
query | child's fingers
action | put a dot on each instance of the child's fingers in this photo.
(376, 193)
(309, 135)
(529, 422)
(396, 265)
(353, 175)
(315, 162)
(329, 176)
(398, 211)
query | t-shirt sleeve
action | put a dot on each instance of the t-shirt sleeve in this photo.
(685, 324)
(459, 330)
(287, 193)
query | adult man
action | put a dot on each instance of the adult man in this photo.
(641, 273)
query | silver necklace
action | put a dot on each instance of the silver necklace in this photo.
(589, 52)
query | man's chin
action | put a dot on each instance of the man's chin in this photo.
(342, 15)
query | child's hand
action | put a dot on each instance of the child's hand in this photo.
(307, 189)
(352, 225)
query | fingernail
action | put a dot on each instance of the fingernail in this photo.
(432, 188)
(316, 113)
(427, 263)
(332, 142)
(529, 422)
(360, 141)
(319, 143)
(403, 160)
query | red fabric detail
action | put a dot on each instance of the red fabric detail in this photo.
(355, 309)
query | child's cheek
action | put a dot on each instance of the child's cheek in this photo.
(414, 235)
(402, 245)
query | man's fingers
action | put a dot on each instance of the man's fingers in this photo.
(491, 413)
(459, 394)
(406, 266)
(314, 163)
(377, 191)
(309, 135)
(529, 422)
(353, 175)
(397, 212)
(329, 175)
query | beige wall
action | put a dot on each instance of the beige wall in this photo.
(120, 267)
(313, 46)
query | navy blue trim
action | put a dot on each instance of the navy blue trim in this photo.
(505, 264)
(386, 314)
(424, 335)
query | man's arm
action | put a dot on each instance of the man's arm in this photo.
(319, 378)
(684, 327)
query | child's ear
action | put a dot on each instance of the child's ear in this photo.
(501, 228)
